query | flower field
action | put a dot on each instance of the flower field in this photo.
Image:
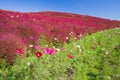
(58, 46)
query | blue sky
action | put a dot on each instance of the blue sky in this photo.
(109, 9)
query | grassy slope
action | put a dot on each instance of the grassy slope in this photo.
(93, 60)
(97, 58)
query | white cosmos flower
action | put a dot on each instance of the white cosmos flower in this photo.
(106, 52)
(46, 45)
(17, 16)
(34, 19)
(31, 45)
(103, 49)
(57, 49)
(80, 50)
(55, 39)
(28, 63)
(53, 47)
(11, 16)
(75, 38)
(80, 35)
(67, 38)
(78, 46)
(70, 33)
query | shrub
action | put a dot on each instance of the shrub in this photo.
(8, 43)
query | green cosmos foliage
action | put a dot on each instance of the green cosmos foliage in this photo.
(94, 57)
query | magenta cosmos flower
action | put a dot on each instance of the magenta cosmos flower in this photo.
(19, 51)
(49, 51)
(70, 56)
(46, 50)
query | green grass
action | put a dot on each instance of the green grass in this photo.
(95, 57)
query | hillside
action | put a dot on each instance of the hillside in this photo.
(18, 29)
(56, 24)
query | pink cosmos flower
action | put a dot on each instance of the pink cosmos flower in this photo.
(70, 56)
(55, 39)
(19, 51)
(31, 37)
(36, 46)
(75, 38)
(62, 49)
(23, 42)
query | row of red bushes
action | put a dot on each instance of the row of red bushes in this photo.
(16, 26)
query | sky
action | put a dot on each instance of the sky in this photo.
(109, 9)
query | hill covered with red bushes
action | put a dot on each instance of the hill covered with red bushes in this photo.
(55, 24)
(18, 29)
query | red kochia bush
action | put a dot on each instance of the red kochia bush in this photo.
(8, 43)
